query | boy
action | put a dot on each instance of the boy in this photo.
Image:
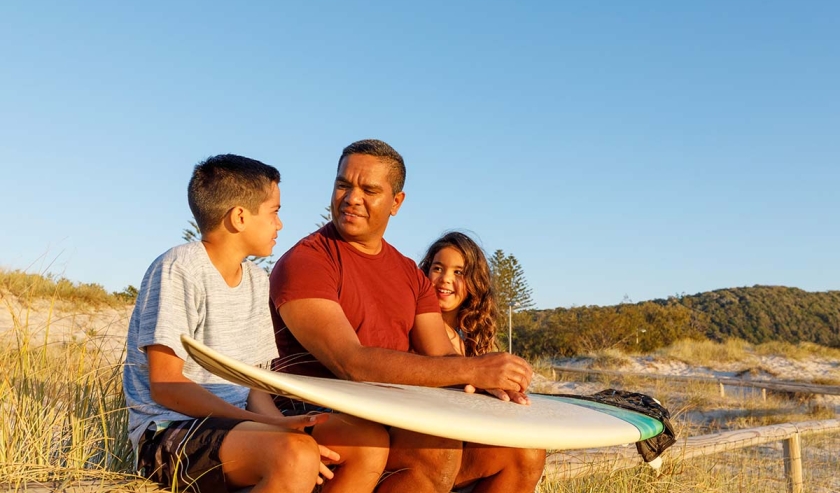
(191, 429)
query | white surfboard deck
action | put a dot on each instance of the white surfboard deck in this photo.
(556, 423)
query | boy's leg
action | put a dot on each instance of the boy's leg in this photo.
(269, 458)
(215, 455)
(363, 447)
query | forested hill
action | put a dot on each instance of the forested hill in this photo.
(755, 314)
(766, 313)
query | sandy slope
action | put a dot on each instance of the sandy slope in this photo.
(102, 327)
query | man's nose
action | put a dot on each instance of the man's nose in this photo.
(354, 196)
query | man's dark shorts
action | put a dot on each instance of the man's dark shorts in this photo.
(186, 455)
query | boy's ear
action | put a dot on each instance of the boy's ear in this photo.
(238, 217)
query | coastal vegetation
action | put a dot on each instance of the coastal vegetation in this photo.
(756, 315)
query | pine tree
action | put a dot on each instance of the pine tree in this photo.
(512, 294)
(509, 282)
(326, 218)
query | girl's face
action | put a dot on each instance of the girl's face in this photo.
(447, 276)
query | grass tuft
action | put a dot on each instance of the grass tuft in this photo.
(64, 413)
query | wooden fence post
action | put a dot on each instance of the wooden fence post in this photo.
(793, 463)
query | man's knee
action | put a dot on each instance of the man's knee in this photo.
(355, 439)
(433, 458)
(531, 462)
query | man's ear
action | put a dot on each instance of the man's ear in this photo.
(398, 200)
(238, 217)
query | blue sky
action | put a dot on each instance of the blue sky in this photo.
(638, 149)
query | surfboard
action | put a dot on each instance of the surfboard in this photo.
(550, 422)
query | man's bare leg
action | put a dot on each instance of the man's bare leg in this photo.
(420, 463)
(500, 469)
(363, 447)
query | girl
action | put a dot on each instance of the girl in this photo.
(460, 274)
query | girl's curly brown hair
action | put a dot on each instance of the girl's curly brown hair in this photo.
(477, 314)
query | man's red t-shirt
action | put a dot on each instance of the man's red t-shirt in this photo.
(381, 294)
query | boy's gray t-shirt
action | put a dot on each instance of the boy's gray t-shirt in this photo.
(183, 293)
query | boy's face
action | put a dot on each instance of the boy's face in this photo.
(261, 233)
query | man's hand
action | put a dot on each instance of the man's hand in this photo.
(501, 371)
(503, 395)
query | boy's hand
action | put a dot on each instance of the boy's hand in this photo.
(301, 422)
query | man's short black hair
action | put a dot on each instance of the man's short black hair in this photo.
(377, 148)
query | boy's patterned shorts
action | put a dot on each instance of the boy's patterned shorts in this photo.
(185, 455)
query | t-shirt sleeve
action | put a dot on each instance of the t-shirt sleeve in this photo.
(427, 301)
(169, 308)
(304, 273)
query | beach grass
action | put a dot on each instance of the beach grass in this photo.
(64, 414)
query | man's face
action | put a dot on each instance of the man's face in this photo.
(363, 201)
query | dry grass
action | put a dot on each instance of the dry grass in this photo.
(64, 415)
(709, 353)
(802, 351)
(61, 291)
(757, 469)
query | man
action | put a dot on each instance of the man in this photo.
(346, 297)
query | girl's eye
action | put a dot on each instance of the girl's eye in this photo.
(459, 273)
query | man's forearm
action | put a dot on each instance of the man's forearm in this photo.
(371, 364)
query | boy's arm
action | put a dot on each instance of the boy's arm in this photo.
(262, 403)
(170, 388)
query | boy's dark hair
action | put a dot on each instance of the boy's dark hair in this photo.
(222, 182)
(377, 148)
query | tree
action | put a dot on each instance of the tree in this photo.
(194, 234)
(128, 295)
(509, 281)
(326, 218)
(512, 293)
